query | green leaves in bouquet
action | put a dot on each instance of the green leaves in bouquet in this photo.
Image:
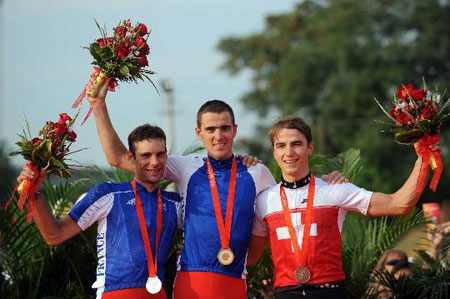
(408, 137)
(102, 58)
(124, 71)
(58, 168)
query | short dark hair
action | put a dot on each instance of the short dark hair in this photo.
(290, 122)
(144, 132)
(215, 106)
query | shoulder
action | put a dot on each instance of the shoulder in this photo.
(268, 200)
(105, 188)
(101, 189)
(259, 170)
(269, 192)
(171, 196)
(335, 187)
(192, 158)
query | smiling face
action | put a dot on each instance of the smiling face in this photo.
(217, 132)
(149, 161)
(291, 150)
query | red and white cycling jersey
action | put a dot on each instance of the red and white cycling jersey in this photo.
(331, 203)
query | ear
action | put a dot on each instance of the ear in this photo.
(197, 133)
(310, 148)
(130, 158)
(235, 127)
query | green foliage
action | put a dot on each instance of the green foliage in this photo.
(365, 240)
(7, 171)
(430, 279)
(347, 163)
(31, 269)
(327, 60)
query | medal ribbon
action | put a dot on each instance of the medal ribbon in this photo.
(152, 266)
(300, 254)
(224, 229)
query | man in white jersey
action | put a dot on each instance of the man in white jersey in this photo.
(302, 217)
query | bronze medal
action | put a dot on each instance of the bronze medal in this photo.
(225, 256)
(302, 274)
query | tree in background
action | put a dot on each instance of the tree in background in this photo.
(326, 60)
(7, 172)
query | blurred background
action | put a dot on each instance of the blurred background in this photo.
(323, 60)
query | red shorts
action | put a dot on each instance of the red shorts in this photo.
(205, 285)
(135, 293)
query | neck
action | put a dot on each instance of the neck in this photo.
(295, 177)
(221, 158)
(148, 185)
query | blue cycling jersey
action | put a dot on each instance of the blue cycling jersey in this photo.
(201, 235)
(122, 262)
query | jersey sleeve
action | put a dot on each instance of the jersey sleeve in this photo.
(266, 179)
(96, 204)
(260, 227)
(176, 167)
(179, 205)
(350, 197)
(180, 213)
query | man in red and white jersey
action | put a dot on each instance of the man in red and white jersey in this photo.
(302, 217)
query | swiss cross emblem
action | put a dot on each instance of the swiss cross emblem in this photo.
(283, 232)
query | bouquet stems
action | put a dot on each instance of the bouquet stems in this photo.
(99, 81)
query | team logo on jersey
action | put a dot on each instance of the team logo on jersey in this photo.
(283, 232)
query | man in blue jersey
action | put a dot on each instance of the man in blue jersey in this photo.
(219, 194)
(136, 221)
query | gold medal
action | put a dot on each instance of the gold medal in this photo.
(225, 256)
(302, 274)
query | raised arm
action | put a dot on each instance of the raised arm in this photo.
(53, 231)
(115, 151)
(401, 202)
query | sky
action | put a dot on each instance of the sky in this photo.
(44, 66)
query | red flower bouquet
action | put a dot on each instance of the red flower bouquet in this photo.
(47, 151)
(122, 56)
(416, 116)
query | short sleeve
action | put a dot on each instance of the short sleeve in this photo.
(350, 197)
(260, 227)
(176, 167)
(266, 178)
(96, 204)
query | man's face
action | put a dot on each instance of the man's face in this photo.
(150, 161)
(291, 151)
(217, 132)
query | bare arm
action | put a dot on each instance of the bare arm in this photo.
(401, 202)
(113, 147)
(53, 231)
(256, 248)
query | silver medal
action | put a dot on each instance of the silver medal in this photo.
(153, 285)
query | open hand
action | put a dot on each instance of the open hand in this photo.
(335, 178)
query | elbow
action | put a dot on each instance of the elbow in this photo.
(52, 241)
(113, 162)
(404, 205)
(405, 209)
(251, 260)
(402, 211)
